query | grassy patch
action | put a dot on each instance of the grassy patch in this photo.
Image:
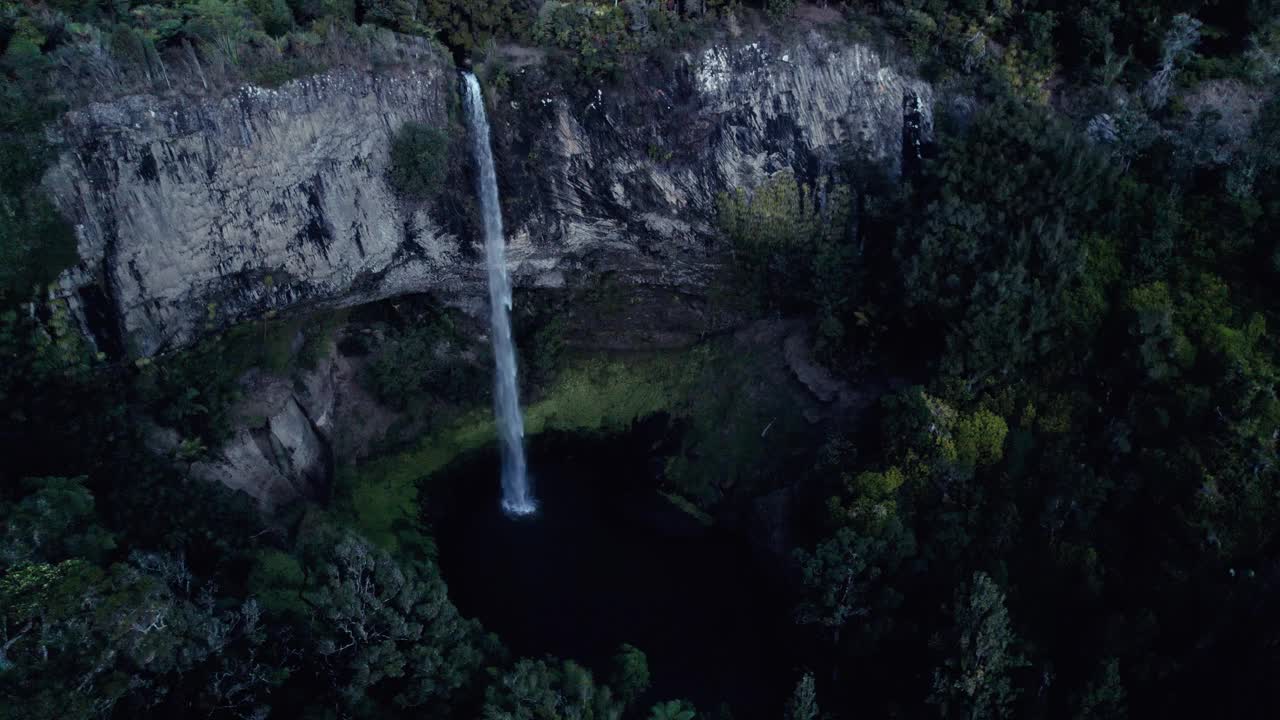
(688, 508)
(591, 395)
(717, 391)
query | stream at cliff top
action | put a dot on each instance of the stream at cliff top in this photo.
(607, 560)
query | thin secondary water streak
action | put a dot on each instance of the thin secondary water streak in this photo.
(517, 498)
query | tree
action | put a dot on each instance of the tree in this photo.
(374, 619)
(278, 581)
(791, 245)
(803, 704)
(974, 680)
(1104, 698)
(839, 578)
(275, 15)
(631, 674)
(470, 24)
(223, 23)
(996, 248)
(673, 710)
(78, 640)
(548, 690)
(980, 438)
(54, 522)
(419, 159)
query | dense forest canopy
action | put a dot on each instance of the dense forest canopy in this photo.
(1065, 506)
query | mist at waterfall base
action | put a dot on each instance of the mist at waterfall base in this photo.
(517, 498)
(607, 560)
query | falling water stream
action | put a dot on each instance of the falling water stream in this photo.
(517, 498)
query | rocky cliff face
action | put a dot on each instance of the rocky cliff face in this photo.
(194, 216)
(203, 215)
(634, 175)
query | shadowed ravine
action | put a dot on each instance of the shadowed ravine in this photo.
(607, 560)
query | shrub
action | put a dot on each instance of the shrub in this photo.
(423, 359)
(469, 24)
(35, 244)
(275, 16)
(128, 44)
(788, 244)
(596, 34)
(779, 10)
(419, 160)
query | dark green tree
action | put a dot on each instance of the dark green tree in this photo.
(630, 675)
(375, 620)
(803, 704)
(548, 690)
(974, 681)
(419, 159)
(998, 245)
(673, 710)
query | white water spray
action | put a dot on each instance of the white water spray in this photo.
(517, 498)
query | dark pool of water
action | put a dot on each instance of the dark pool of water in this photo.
(607, 560)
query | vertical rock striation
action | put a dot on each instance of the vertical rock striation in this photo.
(194, 216)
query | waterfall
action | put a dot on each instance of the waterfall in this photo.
(517, 498)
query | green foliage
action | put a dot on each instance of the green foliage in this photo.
(1164, 348)
(794, 252)
(979, 438)
(426, 357)
(779, 9)
(842, 580)
(1105, 697)
(1098, 433)
(631, 674)
(996, 250)
(869, 499)
(470, 24)
(545, 690)
(194, 391)
(979, 36)
(785, 242)
(599, 396)
(116, 631)
(35, 242)
(673, 710)
(803, 704)
(399, 15)
(419, 160)
(277, 582)
(222, 24)
(974, 681)
(544, 356)
(594, 34)
(35, 245)
(275, 16)
(55, 520)
(129, 44)
(375, 621)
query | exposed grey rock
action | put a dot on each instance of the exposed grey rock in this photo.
(627, 180)
(194, 215)
(824, 386)
(278, 460)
